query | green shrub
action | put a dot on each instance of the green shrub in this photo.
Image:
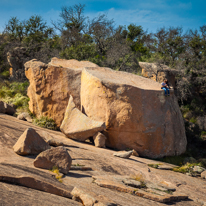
(5, 74)
(46, 122)
(15, 93)
(193, 120)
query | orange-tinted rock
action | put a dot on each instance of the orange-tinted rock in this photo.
(51, 85)
(77, 125)
(136, 112)
(57, 156)
(30, 143)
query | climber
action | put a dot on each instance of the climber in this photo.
(165, 86)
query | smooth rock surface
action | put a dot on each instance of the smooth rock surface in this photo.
(77, 125)
(99, 140)
(102, 162)
(32, 178)
(57, 156)
(30, 143)
(135, 111)
(51, 85)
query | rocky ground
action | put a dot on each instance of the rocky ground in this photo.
(95, 178)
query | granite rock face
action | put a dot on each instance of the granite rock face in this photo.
(51, 85)
(136, 112)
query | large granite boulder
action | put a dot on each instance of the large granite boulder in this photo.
(77, 125)
(51, 85)
(136, 112)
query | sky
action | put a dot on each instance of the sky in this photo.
(150, 14)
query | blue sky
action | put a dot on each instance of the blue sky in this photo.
(150, 14)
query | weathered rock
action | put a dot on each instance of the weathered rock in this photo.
(132, 183)
(88, 198)
(158, 72)
(9, 109)
(30, 143)
(123, 154)
(25, 117)
(57, 156)
(198, 169)
(33, 178)
(102, 163)
(165, 167)
(2, 107)
(120, 184)
(135, 153)
(136, 113)
(51, 85)
(72, 63)
(77, 125)
(203, 175)
(99, 140)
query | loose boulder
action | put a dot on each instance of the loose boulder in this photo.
(30, 143)
(2, 107)
(52, 84)
(78, 126)
(57, 156)
(203, 175)
(136, 112)
(123, 154)
(99, 140)
(25, 117)
(9, 109)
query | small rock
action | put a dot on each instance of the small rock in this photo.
(57, 156)
(25, 117)
(203, 175)
(99, 140)
(85, 198)
(135, 153)
(188, 174)
(132, 183)
(165, 167)
(9, 109)
(30, 143)
(198, 169)
(2, 107)
(54, 143)
(123, 154)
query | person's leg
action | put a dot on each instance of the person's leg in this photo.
(164, 88)
(168, 91)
